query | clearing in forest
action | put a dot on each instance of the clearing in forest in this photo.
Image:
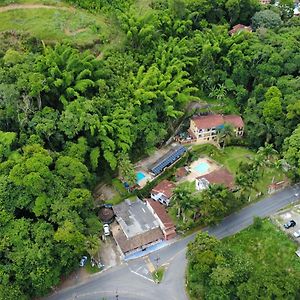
(60, 24)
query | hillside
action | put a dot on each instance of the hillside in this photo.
(60, 22)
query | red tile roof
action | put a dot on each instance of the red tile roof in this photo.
(240, 27)
(235, 120)
(210, 121)
(220, 176)
(181, 172)
(135, 242)
(160, 211)
(166, 187)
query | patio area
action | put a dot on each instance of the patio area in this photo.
(200, 167)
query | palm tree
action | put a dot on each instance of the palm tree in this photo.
(183, 199)
(267, 152)
(225, 134)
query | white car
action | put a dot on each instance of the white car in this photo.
(106, 229)
(296, 234)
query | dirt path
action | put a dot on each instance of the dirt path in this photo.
(32, 6)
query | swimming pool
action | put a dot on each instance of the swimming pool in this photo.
(203, 167)
(140, 176)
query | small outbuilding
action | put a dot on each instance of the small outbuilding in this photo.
(238, 28)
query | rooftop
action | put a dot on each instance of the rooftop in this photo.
(240, 27)
(166, 187)
(134, 217)
(161, 213)
(168, 159)
(219, 176)
(128, 244)
(235, 120)
(210, 121)
(181, 172)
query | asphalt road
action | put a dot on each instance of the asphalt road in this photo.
(130, 281)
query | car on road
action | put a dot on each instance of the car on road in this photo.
(83, 261)
(289, 224)
(106, 229)
(296, 234)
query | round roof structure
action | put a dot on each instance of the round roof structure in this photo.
(106, 214)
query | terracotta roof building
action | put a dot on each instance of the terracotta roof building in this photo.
(265, 1)
(220, 176)
(277, 186)
(166, 224)
(238, 28)
(138, 242)
(181, 172)
(205, 128)
(163, 192)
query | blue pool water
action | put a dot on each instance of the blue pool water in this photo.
(202, 167)
(140, 176)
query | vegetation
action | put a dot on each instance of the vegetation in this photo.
(258, 263)
(253, 172)
(70, 115)
(158, 274)
(62, 24)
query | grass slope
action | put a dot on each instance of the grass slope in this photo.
(266, 246)
(70, 25)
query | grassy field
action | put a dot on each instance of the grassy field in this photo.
(267, 245)
(45, 2)
(70, 25)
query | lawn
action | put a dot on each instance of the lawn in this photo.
(45, 2)
(70, 25)
(267, 245)
(230, 157)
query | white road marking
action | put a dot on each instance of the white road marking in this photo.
(138, 274)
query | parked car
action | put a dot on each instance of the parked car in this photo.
(83, 261)
(106, 229)
(289, 224)
(296, 234)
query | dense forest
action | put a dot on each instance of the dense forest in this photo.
(69, 115)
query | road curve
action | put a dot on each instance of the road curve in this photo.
(119, 281)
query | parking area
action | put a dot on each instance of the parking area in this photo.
(283, 217)
(110, 255)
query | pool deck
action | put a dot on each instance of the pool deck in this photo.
(194, 173)
(145, 180)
